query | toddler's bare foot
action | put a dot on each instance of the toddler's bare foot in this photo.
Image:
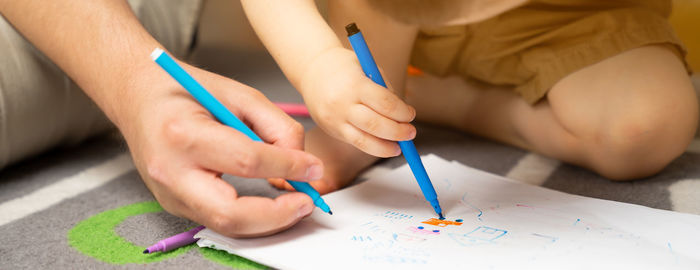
(342, 162)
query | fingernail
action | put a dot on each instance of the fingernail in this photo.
(413, 134)
(398, 151)
(304, 210)
(314, 172)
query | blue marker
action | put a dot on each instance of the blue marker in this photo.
(407, 148)
(224, 115)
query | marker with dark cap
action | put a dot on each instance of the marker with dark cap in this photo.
(407, 147)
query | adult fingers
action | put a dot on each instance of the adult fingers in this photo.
(321, 186)
(209, 201)
(267, 120)
(280, 183)
(222, 149)
(373, 123)
(258, 216)
(387, 103)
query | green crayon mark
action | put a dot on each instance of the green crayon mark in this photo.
(96, 237)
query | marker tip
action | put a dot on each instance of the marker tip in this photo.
(330, 212)
(441, 216)
(145, 251)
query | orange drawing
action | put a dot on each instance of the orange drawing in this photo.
(441, 223)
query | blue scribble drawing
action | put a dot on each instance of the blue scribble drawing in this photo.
(449, 185)
(672, 253)
(551, 238)
(372, 244)
(464, 201)
(480, 235)
(396, 215)
(374, 228)
(360, 238)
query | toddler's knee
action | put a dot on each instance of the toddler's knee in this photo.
(637, 147)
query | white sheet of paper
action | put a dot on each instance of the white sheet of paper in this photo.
(506, 225)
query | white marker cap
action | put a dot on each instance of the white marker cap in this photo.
(156, 53)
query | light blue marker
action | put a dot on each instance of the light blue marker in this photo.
(223, 114)
(407, 148)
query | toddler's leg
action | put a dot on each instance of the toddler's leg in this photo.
(625, 117)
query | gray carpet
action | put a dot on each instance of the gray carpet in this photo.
(39, 237)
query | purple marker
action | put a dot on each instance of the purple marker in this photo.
(175, 241)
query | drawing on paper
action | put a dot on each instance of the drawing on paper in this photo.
(531, 226)
(480, 235)
(393, 215)
(467, 204)
(548, 237)
(441, 223)
(422, 230)
(402, 237)
(361, 238)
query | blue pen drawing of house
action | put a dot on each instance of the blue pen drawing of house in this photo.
(480, 235)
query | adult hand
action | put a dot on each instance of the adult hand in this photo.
(180, 151)
(178, 148)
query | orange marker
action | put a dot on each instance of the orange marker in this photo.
(414, 71)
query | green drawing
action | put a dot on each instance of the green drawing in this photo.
(95, 237)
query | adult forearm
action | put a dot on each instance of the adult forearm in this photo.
(289, 41)
(100, 44)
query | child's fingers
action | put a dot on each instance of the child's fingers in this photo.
(373, 123)
(387, 103)
(369, 144)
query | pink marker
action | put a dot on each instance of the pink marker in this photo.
(293, 109)
(176, 241)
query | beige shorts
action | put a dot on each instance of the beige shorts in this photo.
(534, 46)
(40, 107)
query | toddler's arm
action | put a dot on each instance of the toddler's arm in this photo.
(343, 102)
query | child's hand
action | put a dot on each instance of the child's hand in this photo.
(352, 108)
